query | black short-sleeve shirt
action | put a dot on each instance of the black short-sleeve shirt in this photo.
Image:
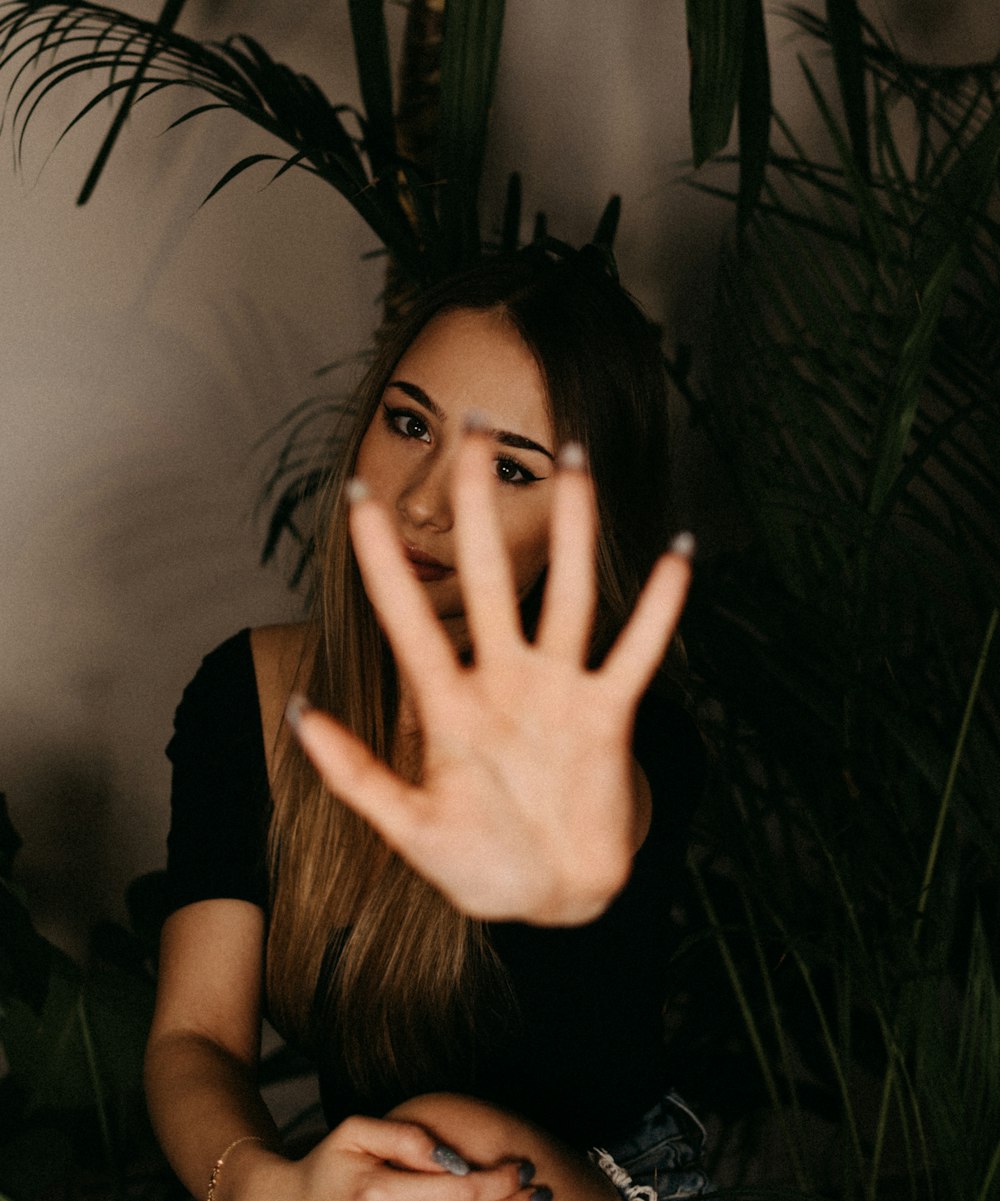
(587, 1057)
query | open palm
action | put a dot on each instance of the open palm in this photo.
(528, 803)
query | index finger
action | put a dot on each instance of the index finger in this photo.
(407, 1144)
(500, 1183)
(419, 1167)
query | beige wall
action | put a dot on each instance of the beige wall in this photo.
(146, 345)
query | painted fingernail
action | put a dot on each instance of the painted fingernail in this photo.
(450, 1160)
(572, 457)
(475, 421)
(298, 705)
(357, 490)
(525, 1172)
(544, 1193)
(684, 544)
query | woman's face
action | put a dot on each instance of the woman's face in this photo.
(464, 360)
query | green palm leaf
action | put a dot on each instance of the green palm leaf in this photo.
(141, 59)
(716, 31)
(429, 225)
(164, 26)
(468, 77)
(730, 68)
(855, 400)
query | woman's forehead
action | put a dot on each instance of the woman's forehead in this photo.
(477, 359)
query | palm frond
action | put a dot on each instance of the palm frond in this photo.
(715, 37)
(165, 23)
(468, 77)
(140, 58)
(855, 400)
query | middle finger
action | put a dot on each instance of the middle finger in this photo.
(485, 573)
(570, 589)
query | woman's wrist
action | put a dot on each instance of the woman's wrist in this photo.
(220, 1163)
(249, 1170)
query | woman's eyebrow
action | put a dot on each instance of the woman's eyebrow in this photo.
(415, 392)
(504, 437)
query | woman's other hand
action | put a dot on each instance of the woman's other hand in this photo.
(367, 1158)
(528, 807)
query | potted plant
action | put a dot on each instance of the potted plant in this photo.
(845, 647)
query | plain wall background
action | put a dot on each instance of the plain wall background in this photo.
(147, 345)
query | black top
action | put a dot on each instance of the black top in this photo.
(587, 1057)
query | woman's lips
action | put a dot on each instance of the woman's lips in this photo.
(425, 567)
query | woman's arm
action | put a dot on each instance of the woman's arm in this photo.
(201, 1088)
(201, 1059)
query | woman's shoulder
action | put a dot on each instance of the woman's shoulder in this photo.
(279, 637)
(260, 666)
(224, 678)
(279, 651)
(281, 662)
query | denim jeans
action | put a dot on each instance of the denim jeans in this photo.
(660, 1158)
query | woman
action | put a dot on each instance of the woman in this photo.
(470, 939)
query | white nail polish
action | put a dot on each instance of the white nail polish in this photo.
(475, 422)
(572, 457)
(356, 490)
(298, 705)
(683, 544)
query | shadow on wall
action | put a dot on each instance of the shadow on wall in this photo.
(71, 862)
(129, 552)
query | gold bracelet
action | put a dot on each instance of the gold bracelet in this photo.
(247, 1138)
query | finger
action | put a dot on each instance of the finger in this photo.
(484, 566)
(496, 1184)
(570, 588)
(435, 1170)
(406, 1144)
(351, 772)
(640, 647)
(404, 610)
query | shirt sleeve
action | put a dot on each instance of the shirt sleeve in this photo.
(219, 798)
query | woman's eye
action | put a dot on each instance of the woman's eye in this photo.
(407, 424)
(509, 471)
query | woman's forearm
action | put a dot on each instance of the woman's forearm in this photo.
(202, 1099)
(205, 1105)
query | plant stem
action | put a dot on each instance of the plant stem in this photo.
(984, 1192)
(949, 787)
(772, 1004)
(932, 855)
(95, 1081)
(838, 1068)
(751, 1027)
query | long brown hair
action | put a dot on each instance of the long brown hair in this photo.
(361, 950)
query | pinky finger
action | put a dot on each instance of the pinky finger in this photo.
(632, 661)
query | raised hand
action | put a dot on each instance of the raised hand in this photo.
(528, 807)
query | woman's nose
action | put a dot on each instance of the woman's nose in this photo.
(426, 498)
